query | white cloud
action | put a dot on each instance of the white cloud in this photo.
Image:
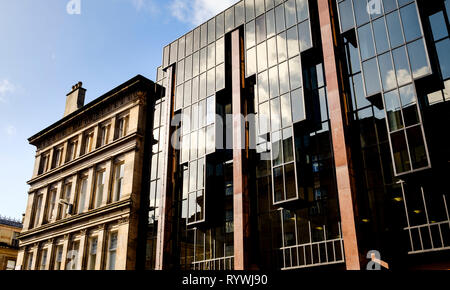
(6, 88)
(198, 11)
(145, 5)
(11, 130)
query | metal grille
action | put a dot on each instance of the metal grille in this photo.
(435, 232)
(313, 254)
(224, 263)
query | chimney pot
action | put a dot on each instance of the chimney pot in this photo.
(75, 99)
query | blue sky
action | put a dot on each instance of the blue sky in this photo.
(44, 51)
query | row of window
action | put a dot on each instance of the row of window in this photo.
(88, 144)
(90, 258)
(78, 194)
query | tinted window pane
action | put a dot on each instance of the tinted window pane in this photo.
(443, 47)
(295, 74)
(284, 77)
(220, 25)
(270, 21)
(401, 66)
(438, 26)
(279, 17)
(281, 45)
(229, 19)
(289, 173)
(276, 149)
(361, 12)
(416, 144)
(275, 114)
(251, 61)
(346, 15)
(298, 111)
(410, 22)
(379, 30)
(239, 11)
(292, 42)
(291, 18)
(389, 5)
(408, 100)
(418, 58)
(259, 7)
(302, 10)
(278, 184)
(286, 110)
(400, 152)
(387, 72)
(304, 36)
(392, 104)
(273, 82)
(272, 51)
(249, 9)
(371, 78)
(262, 57)
(260, 29)
(263, 87)
(366, 42)
(250, 34)
(358, 91)
(264, 118)
(395, 31)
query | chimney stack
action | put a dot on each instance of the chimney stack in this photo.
(75, 99)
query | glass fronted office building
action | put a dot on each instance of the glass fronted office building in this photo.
(304, 133)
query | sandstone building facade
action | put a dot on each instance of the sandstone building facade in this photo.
(85, 192)
(9, 244)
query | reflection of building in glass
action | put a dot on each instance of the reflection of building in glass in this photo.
(352, 110)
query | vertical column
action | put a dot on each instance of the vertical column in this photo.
(35, 253)
(90, 188)
(108, 184)
(101, 243)
(29, 212)
(240, 197)
(20, 259)
(80, 145)
(65, 250)
(50, 253)
(341, 149)
(163, 235)
(57, 205)
(122, 244)
(81, 250)
(43, 207)
(112, 130)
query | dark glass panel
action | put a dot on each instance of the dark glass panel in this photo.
(401, 66)
(200, 209)
(289, 172)
(277, 155)
(395, 31)
(288, 151)
(400, 152)
(409, 104)
(416, 143)
(371, 77)
(366, 42)
(379, 30)
(346, 15)
(393, 110)
(278, 184)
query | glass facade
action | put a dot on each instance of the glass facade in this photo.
(394, 76)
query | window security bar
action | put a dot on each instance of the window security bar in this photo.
(309, 254)
(439, 243)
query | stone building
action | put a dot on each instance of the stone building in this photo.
(85, 192)
(9, 244)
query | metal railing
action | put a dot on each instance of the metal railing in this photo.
(309, 254)
(438, 242)
(223, 263)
